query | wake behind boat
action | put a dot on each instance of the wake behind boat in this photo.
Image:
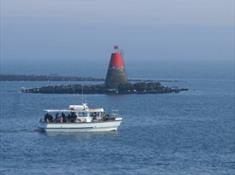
(79, 118)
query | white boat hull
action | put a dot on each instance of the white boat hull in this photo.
(81, 127)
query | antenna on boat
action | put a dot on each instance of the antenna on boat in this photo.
(82, 95)
(83, 99)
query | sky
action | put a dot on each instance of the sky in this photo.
(77, 36)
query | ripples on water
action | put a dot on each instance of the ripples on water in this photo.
(187, 133)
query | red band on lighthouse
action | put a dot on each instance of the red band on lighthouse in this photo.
(116, 61)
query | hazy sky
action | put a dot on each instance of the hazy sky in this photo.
(42, 32)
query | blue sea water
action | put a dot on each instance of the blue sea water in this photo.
(191, 132)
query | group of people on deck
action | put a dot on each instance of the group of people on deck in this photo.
(72, 117)
(60, 118)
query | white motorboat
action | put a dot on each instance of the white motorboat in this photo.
(79, 118)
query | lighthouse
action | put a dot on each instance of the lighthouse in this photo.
(116, 73)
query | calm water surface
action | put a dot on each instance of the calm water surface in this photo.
(187, 133)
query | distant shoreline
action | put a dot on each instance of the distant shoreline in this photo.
(23, 77)
(15, 77)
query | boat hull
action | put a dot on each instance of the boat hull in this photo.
(81, 127)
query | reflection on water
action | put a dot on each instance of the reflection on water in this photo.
(87, 135)
(5, 131)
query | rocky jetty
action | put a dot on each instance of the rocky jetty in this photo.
(128, 88)
(116, 82)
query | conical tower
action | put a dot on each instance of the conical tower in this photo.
(116, 74)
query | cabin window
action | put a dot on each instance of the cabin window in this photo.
(93, 114)
(83, 114)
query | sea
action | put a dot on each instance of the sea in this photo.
(186, 133)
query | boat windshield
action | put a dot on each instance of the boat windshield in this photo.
(83, 114)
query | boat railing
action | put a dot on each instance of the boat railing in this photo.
(77, 119)
(115, 113)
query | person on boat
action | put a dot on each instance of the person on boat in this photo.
(68, 117)
(48, 118)
(73, 117)
(94, 116)
(63, 117)
(57, 119)
(106, 117)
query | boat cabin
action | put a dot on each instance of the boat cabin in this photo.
(75, 114)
